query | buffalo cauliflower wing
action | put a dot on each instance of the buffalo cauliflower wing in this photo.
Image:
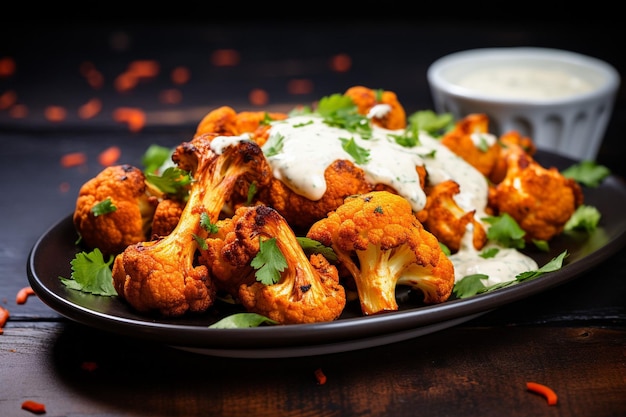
(540, 199)
(306, 290)
(163, 275)
(443, 217)
(378, 239)
(128, 217)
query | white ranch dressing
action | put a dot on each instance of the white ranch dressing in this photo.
(520, 81)
(219, 143)
(503, 267)
(394, 165)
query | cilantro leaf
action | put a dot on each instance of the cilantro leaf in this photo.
(206, 224)
(155, 157)
(91, 274)
(470, 285)
(241, 321)
(313, 246)
(340, 111)
(103, 207)
(274, 145)
(173, 181)
(431, 122)
(269, 262)
(505, 230)
(358, 153)
(585, 218)
(588, 173)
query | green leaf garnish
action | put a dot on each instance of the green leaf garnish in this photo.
(103, 207)
(340, 111)
(173, 181)
(269, 262)
(587, 173)
(206, 224)
(274, 145)
(91, 274)
(242, 321)
(431, 122)
(358, 153)
(505, 230)
(585, 218)
(155, 157)
(313, 246)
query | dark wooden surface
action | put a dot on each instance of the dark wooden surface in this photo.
(572, 338)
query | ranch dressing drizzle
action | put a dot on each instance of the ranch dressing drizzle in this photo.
(503, 267)
(308, 135)
(393, 165)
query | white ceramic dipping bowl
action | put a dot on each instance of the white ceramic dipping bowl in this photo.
(560, 99)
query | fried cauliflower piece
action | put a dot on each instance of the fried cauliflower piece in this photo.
(306, 291)
(366, 99)
(471, 140)
(128, 223)
(226, 121)
(166, 216)
(382, 244)
(540, 199)
(510, 142)
(343, 178)
(163, 275)
(443, 217)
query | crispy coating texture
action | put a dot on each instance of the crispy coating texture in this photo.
(510, 142)
(163, 275)
(382, 244)
(226, 121)
(308, 290)
(443, 217)
(540, 199)
(343, 178)
(366, 98)
(459, 140)
(129, 223)
(166, 217)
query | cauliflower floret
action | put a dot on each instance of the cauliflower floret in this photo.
(226, 121)
(540, 199)
(471, 140)
(510, 142)
(343, 179)
(443, 217)
(307, 290)
(366, 99)
(129, 222)
(163, 275)
(166, 216)
(381, 243)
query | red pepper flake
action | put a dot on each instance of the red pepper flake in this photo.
(109, 156)
(134, 117)
(73, 159)
(34, 407)
(544, 390)
(4, 317)
(90, 109)
(319, 376)
(23, 294)
(55, 113)
(89, 366)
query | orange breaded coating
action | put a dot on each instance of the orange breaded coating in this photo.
(510, 142)
(166, 217)
(163, 275)
(307, 291)
(131, 219)
(540, 199)
(343, 179)
(226, 121)
(381, 243)
(366, 98)
(443, 217)
(465, 140)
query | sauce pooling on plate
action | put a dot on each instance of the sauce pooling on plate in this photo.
(519, 81)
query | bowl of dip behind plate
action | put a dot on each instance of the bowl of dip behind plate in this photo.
(562, 100)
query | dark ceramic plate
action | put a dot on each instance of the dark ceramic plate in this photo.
(52, 253)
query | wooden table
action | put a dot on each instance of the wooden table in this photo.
(571, 338)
